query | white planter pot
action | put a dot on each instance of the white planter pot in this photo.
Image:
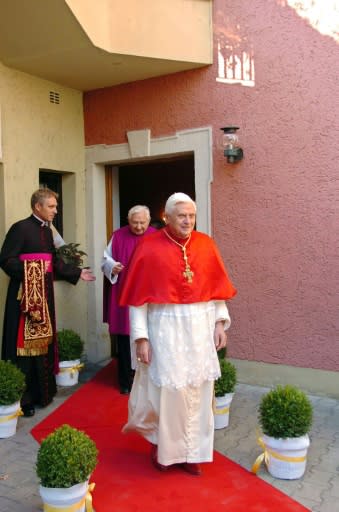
(9, 419)
(69, 373)
(63, 498)
(221, 410)
(286, 458)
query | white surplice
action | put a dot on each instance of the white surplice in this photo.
(171, 402)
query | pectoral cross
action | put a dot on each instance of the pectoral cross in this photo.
(188, 273)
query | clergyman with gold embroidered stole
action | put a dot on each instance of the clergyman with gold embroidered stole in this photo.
(176, 287)
(29, 333)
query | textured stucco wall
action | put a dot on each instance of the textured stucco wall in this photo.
(274, 213)
(38, 134)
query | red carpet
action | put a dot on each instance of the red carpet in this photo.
(127, 482)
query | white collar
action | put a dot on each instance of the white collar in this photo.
(43, 222)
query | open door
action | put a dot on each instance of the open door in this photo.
(149, 183)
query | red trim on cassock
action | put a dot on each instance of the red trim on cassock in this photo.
(155, 272)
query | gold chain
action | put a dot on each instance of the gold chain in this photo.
(188, 273)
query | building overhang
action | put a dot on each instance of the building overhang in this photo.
(88, 45)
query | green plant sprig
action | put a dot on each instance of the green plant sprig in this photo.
(70, 254)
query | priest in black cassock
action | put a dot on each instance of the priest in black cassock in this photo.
(28, 257)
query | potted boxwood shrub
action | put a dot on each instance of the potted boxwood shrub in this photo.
(12, 386)
(285, 416)
(65, 461)
(223, 392)
(70, 346)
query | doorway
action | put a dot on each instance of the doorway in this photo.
(151, 183)
(146, 171)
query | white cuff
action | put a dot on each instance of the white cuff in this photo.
(222, 314)
(138, 322)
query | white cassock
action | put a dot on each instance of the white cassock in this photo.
(171, 402)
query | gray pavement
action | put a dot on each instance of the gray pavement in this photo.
(318, 490)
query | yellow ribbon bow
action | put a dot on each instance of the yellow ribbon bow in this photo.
(87, 499)
(224, 410)
(16, 414)
(71, 369)
(266, 457)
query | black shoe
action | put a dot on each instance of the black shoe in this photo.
(124, 391)
(28, 410)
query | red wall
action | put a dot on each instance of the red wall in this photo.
(274, 213)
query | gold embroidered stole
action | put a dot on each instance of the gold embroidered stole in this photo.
(35, 328)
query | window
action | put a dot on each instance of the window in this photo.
(53, 180)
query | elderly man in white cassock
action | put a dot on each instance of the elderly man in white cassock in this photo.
(176, 288)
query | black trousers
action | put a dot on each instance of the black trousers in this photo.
(40, 378)
(125, 377)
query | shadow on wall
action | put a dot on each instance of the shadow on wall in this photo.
(235, 49)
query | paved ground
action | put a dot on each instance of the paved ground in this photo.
(318, 489)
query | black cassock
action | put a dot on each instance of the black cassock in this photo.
(29, 236)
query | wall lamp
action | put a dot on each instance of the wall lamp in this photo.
(230, 143)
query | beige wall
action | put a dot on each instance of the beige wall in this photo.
(146, 28)
(38, 134)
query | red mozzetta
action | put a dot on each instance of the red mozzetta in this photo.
(156, 273)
